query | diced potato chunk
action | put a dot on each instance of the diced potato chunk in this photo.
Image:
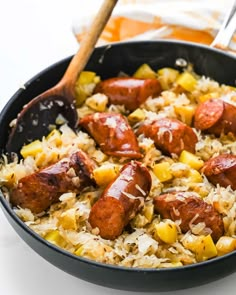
(163, 171)
(55, 238)
(145, 72)
(225, 245)
(136, 116)
(97, 102)
(190, 159)
(104, 174)
(208, 96)
(166, 231)
(186, 81)
(185, 113)
(32, 149)
(166, 77)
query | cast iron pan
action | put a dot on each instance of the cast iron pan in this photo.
(108, 61)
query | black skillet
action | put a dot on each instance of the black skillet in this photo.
(107, 62)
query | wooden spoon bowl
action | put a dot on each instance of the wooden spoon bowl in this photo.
(36, 118)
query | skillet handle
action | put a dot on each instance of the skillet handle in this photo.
(227, 29)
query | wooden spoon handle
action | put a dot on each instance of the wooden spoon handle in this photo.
(87, 45)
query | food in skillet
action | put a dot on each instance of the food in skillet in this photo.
(147, 180)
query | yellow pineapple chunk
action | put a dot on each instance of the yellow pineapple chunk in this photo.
(86, 77)
(85, 85)
(225, 245)
(190, 242)
(32, 149)
(207, 96)
(206, 249)
(40, 159)
(203, 246)
(54, 137)
(148, 212)
(186, 81)
(166, 231)
(98, 102)
(190, 159)
(136, 116)
(104, 174)
(79, 251)
(185, 113)
(194, 176)
(163, 171)
(166, 77)
(81, 94)
(144, 72)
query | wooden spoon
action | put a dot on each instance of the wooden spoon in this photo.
(35, 118)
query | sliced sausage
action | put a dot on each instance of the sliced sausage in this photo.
(40, 189)
(190, 210)
(127, 91)
(170, 135)
(113, 134)
(216, 116)
(121, 200)
(221, 170)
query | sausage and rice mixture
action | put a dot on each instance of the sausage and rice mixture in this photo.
(183, 213)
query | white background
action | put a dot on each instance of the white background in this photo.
(33, 35)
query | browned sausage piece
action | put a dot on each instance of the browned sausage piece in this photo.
(127, 91)
(216, 116)
(221, 170)
(190, 210)
(121, 200)
(39, 190)
(170, 135)
(113, 134)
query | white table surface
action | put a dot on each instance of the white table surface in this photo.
(33, 35)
